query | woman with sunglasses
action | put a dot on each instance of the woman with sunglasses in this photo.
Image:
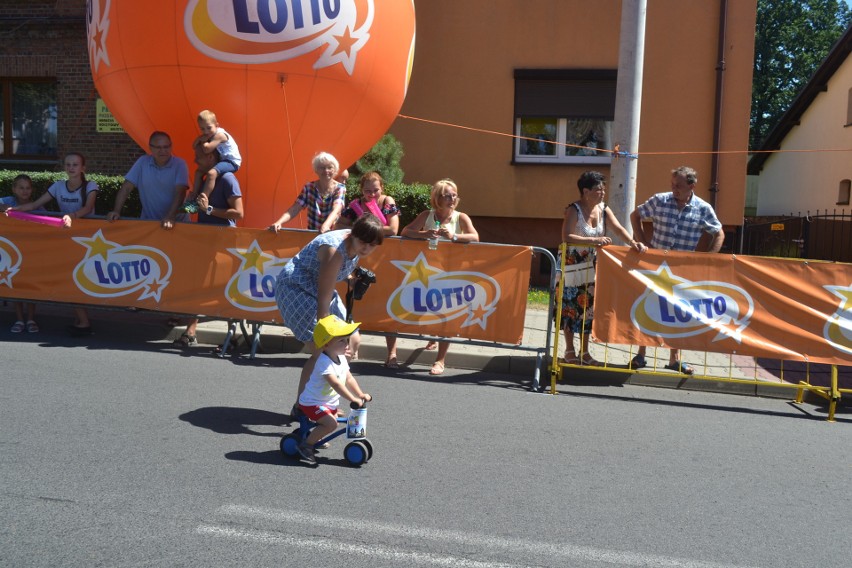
(442, 222)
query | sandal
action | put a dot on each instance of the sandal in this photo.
(590, 361)
(186, 340)
(431, 346)
(232, 345)
(391, 362)
(437, 368)
(80, 331)
(32, 327)
(18, 327)
(680, 367)
(638, 362)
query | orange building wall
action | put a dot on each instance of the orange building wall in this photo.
(466, 54)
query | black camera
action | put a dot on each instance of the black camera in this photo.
(363, 279)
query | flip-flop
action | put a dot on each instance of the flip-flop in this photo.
(392, 363)
(570, 361)
(431, 346)
(638, 362)
(437, 368)
(680, 367)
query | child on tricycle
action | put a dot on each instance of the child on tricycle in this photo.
(329, 381)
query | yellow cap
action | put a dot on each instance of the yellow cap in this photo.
(330, 327)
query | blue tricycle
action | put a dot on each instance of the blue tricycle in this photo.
(357, 452)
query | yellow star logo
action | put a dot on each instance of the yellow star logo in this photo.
(846, 296)
(663, 281)
(97, 245)
(417, 271)
(253, 258)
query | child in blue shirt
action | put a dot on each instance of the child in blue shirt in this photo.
(329, 381)
(22, 192)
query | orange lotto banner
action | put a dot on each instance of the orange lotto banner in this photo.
(473, 291)
(763, 307)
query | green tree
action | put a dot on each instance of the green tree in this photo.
(384, 158)
(791, 40)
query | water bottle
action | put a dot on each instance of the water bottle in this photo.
(433, 242)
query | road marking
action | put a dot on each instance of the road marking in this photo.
(403, 557)
(364, 528)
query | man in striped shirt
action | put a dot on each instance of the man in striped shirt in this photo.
(680, 220)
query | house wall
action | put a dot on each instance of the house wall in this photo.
(466, 54)
(794, 182)
(47, 38)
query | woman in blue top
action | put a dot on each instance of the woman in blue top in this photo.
(304, 289)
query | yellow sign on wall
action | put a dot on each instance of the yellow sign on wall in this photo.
(106, 122)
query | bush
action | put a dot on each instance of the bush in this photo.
(384, 158)
(108, 185)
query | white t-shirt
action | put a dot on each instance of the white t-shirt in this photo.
(71, 201)
(318, 391)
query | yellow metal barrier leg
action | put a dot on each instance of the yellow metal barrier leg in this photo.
(835, 394)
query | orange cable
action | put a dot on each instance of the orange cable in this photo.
(616, 150)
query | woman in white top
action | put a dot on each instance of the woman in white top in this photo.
(586, 223)
(75, 198)
(445, 223)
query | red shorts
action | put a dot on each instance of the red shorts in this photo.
(316, 412)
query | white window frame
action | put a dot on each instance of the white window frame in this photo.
(561, 156)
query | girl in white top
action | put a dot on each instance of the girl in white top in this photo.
(75, 198)
(445, 223)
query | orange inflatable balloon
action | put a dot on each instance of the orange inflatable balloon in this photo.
(287, 78)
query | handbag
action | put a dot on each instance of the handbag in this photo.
(582, 273)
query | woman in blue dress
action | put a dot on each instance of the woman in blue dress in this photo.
(304, 290)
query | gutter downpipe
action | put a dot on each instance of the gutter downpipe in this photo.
(720, 86)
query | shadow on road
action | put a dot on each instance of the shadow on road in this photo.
(230, 420)
(806, 411)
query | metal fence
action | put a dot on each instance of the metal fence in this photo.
(823, 235)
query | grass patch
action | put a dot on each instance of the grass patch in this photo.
(538, 298)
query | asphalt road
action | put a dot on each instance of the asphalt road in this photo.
(119, 450)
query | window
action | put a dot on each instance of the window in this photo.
(564, 115)
(843, 193)
(28, 119)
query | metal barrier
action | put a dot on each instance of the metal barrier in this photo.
(538, 350)
(253, 337)
(710, 366)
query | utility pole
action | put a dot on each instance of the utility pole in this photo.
(628, 106)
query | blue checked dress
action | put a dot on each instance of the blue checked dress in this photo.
(296, 287)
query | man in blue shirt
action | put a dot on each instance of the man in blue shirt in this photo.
(223, 207)
(682, 221)
(162, 180)
(225, 204)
